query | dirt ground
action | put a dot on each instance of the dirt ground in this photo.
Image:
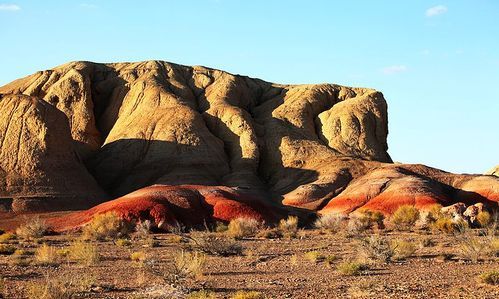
(277, 268)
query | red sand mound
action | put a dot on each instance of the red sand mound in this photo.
(187, 204)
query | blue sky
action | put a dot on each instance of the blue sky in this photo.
(437, 62)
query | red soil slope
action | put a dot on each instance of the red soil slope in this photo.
(187, 204)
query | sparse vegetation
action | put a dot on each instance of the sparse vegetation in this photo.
(376, 249)
(330, 222)
(138, 256)
(473, 248)
(490, 277)
(7, 237)
(6, 249)
(46, 255)
(405, 217)
(214, 244)
(351, 268)
(243, 227)
(247, 295)
(84, 252)
(33, 228)
(446, 225)
(202, 295)
(221, 227)
(143, 229)
(106, 226)
(313, 256)
(403, 249)
(62, 287)
(484, 219)
(289, 227)
(123, 242)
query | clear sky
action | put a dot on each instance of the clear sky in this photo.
(437, 62)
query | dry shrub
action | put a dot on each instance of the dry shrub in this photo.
(214, 244)
(289, 227)
(294, 260)
(484, 219)
(138, 256)
(123, 242)
(221, 227)
(32, 229)
(270, 233)
(449, 226)
(6, 249)
(434, 213)
(427, 242)
(330, 222)
(491, 277)
(46, 255)
(243, 227)
(62, 287)
(313, 256)
(473, 248)
(375, 249)
(403, 249)
(357, 226)
(247, 295)
(372, 218)
(404, 217)
(330, 259)
(351, 268)
(189, 265)
(203, 294)
(84, 253)
(106, 226)
(143, 228)
(7, 237)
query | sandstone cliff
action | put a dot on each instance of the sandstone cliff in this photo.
(132, 125)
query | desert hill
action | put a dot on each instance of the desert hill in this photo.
(84, 133)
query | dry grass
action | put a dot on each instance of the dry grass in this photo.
(201, 295)
(123, 242)
(313, 256)
(404, 217)
(214, 244)
(46, 255)
(243, 227)
(7, 237)
(7, 249)
(106, 226)
(375, 249)
(84, 253)
(247, 295)
(403, 249)
(289, 227)
(138, 256)
(33, 228)
(64, 287)
(491, 277)
(351, 268)
(190, 264)
(332, 223)
(484, 219)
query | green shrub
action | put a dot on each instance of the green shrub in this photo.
(445, 225)
(405, 217)
(313, 256)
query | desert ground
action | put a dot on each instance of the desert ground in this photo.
(283, 262)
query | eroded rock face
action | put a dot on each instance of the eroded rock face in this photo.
(39, 168)
(319, 147)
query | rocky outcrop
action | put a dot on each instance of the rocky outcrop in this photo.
(39, 169)
(319, 147)
(493, 171)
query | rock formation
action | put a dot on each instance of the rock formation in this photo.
(493, 171)
(132, 125)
